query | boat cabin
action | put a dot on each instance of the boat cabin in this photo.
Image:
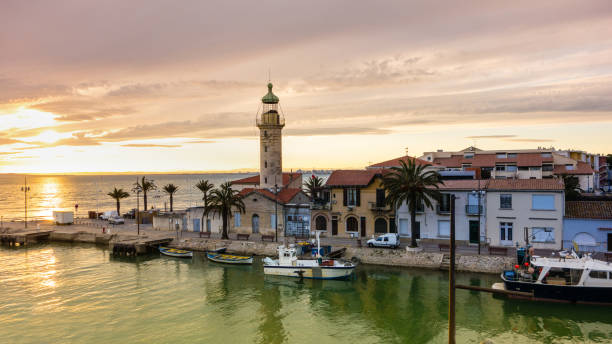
(584, 271)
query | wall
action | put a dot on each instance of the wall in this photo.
(273, 172)
(598, 229)
(521, 215)
(216, 223)
(257, 204)
(167, 222)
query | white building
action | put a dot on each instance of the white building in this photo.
(514, 206)
(190, 220)
(433, 225)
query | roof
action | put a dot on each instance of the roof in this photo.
(464, 184)
(581, 168)
(588, 210)
(284, 196)
(526, 184)
(353, 177)
(270, 98)
(490, 159)
(255, 180)
(396, 162)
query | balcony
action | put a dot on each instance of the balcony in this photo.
(378, 207)
(473, 209)
(319, 206)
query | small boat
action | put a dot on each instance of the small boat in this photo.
(567, 278)
(289, 265)
(174, 252)
(228, 258)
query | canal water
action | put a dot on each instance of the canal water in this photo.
(80, 294)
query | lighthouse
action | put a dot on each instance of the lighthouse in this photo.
(270, 122)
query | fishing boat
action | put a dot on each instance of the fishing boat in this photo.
(174, 252)
(289, 265)
(219, 257)
(568, 277)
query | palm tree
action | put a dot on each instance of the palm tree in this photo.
(410, 183)
(313, 185)
(572, 187)
(205, 187)
(144, 186)
(222, 200)
(170, 189)
(118, 194)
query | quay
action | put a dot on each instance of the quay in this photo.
(21, 238)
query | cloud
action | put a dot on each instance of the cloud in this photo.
(489, 136)
(529, 140)
(149, 145)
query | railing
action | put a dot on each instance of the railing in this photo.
(473, 209)
(378, 206)
(319, 206)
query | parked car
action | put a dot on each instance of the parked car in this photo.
(386, 240)
(116, 220)
(108, 214)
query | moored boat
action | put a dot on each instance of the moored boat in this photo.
(174, 252)
(567, 278)
(289, 265)
(228, 258)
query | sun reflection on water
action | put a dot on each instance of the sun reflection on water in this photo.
(49, 198)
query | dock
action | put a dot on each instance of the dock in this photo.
(25, 237)
(137, 246)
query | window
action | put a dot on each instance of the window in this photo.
(547, 167)
(466, 165)
(273, 220)
(543, 234)
(570, 167)
(543, 202)
(443, 228)
(266, 163)
(351, 224)
(598, 274)
(266, 180)
(265, 133)
(351, 197)
(500, 155)
(380, 198)
(511, 155)
(523, 168)
(237, 219)
(547, 155)
(505, 231)
(265, 148)
(511, 168)
(420, 208)
(535, 168)
(321, 223)
(505, 201)
(468, 155)
(444, 205)
(500, 168)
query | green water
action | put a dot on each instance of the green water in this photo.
(79, 294)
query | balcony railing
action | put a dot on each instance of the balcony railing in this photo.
(378, 207)
(319, 206)
(473, 209)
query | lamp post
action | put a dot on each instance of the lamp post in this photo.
(25, 188)
(137, 208)
(451, 276)
(276, 212)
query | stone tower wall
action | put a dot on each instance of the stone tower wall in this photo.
(270, 153)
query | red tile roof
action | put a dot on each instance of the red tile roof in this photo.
(526, 184)
(588, 210)
(396, 162)
(353, 177)
(581, 168)
(463, 184)
(284, 196)
(287, 178)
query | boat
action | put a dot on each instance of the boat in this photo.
(289, 265)
(228, 258)
(174, 252)
(568, 277)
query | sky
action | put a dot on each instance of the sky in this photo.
(117, 86)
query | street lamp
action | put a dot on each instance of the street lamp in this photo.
(479, 195)
(276, 212)
(25, 188)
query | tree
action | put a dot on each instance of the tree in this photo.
(204, 186)
(170, 189)
(313, 185)
(222, 201)
(118, 194)
(144, 186)
(572, 187)
(410, 183)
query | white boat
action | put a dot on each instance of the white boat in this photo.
(289, 265)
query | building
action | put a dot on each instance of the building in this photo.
(263, 207)
(354, 205)
(433, 225)
(520, 208)
(589, 225)
(274, 201)
(191, 220)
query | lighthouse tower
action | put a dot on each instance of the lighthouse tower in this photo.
(270, 123)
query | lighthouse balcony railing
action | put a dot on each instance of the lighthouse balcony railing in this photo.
(270, 119)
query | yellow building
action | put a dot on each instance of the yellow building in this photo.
(354, 205)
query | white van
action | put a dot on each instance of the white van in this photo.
(108, 214)
(385, 240)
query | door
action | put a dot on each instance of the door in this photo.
(363, 226)
(255, 223)
(335, 226)
(403, 224)
(196, 225)
(474, 232)
(609, 242)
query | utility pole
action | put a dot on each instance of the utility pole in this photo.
(451, 276)
(25, 188)
(275, 212)
(479, 216)
(137, 208)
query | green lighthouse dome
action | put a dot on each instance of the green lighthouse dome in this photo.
(270, 98)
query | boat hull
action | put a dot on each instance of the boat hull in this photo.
(171, 252)
(229, 259)
(570, 293)
(321, 272)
